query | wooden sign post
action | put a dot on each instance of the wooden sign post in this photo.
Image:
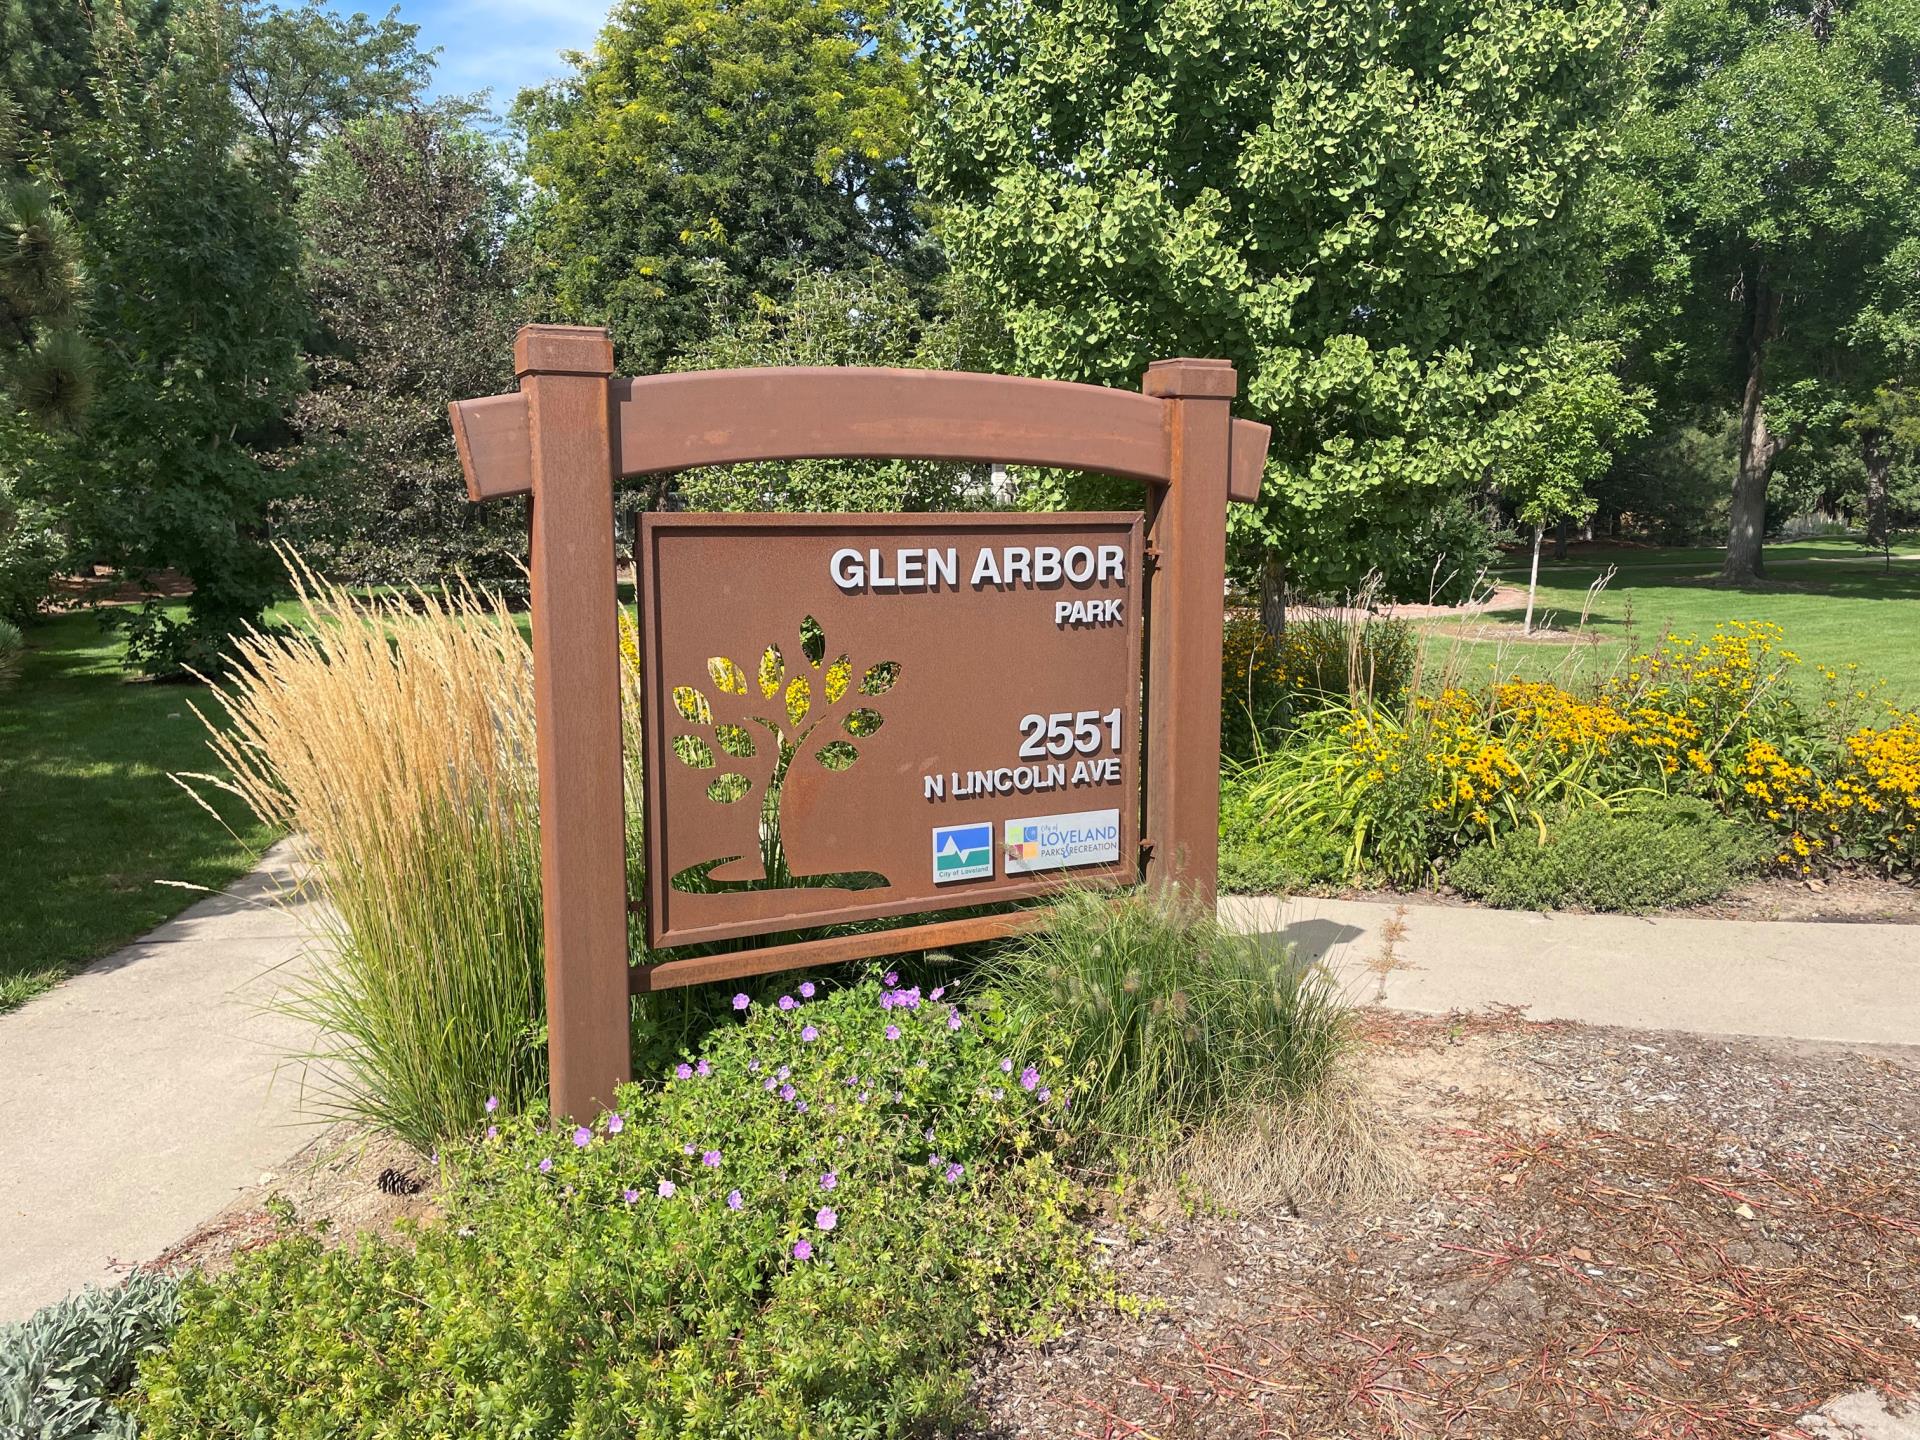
(981, 746)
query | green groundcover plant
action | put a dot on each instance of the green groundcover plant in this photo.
(61, 1367)
(1673, 850)
(805, 1230)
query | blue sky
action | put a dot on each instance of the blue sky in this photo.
(497, 45)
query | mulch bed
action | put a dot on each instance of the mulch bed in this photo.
(1615, 1233)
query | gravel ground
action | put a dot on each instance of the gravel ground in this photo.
(1614, 1233)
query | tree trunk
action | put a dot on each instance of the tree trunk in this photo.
(1747, 515)
(1533, 581)
(1562, 533)
(1273, 597)
(1879, 463)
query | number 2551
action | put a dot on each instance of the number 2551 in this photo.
(1068, 733)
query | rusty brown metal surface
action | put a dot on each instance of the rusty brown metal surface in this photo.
(576, 665)
(721, 417)
(830, 950)
(1188, 527)
(948, 674)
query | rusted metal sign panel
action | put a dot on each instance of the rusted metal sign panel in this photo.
(850, 717)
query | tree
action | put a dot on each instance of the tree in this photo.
(705, 155)
(197, 318)
(1365, 207)
(869, 316)
(1561, 438)
(303, 74)
(405, 220)
(1765, 173)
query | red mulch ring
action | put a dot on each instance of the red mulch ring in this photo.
(1614, 1234)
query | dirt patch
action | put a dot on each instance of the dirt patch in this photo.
(1617, 1234)
(350, 1180)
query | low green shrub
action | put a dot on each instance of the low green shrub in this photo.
(805, 1231)
(1261, 855)
(61, 1368)
(1164, 1019)
(1674, 851)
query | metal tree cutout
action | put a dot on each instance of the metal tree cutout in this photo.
(808, 699)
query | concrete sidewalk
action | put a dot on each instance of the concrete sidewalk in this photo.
(1855, 984)
(139, 1096)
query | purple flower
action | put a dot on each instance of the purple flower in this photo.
(583, 1137)
(893, 1032)
(938, 991)
(802, 1250)
(998, 1093)
(800, 1107)
(493, 1103)
(493, 1132)
(741, 1002)
(1044, 1096)
(910, 998)
(886, 999)
(933, 1161)
(826, 1219)
(735, 1200)
(629, 1195)
(1029, 1078)
(955, 1171)
(546, 1165)
(666, 1190)
(953, 1019)
(929, 1134)
(686, 1149)
(787, 1002)
(683, 1071)
(806, 989)
(786, 1092)
(710, 1159)
(768, 1084)
(892, 978)
(783, 1072)
(829, 1181)
(615, 1124)
(703, 1069)
(808, 1034)
(1006, 1067)
(865, 1095)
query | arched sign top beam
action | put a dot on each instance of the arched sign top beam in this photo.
(728, 417)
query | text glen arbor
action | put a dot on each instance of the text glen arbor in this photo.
(1001, 567)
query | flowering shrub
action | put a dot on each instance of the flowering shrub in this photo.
(803, 1231)
(1406, 789)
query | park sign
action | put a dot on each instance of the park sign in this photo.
(848, 718)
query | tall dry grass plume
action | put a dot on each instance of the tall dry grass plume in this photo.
(395, 738)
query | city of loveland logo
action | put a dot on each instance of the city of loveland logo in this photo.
(962, 852)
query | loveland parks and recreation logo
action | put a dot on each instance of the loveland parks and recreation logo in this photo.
(962, 852)
(1051, 842)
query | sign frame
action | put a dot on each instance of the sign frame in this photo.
(663, 931)
(574, 428)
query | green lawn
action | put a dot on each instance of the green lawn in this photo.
(89, 821)
(1833, 598)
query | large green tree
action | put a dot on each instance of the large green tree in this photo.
(1365, 206)
(404, 219)
(1767, 174)
(197, 318)
(706, 154)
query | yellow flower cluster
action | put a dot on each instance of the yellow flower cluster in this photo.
(1868, 810)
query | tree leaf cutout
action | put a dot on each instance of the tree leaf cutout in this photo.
(693, 752)
(773, 670)
(692, 705)
(813, 641)
(862, 722)
(839, 676)
(728, 678)
(838, 754)
(879, 678)
(736, 740)
(728, 788)
(799, 699)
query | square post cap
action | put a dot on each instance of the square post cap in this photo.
(1192, 379)
(562, 350)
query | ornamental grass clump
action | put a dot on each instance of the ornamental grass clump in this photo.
(804, 1228)
(394, 737)
(1165, 1020)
